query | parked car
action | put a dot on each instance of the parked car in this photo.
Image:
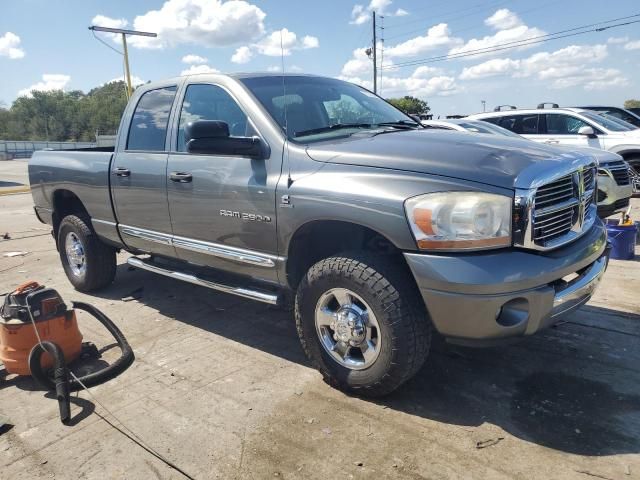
(372, 223)
(571, 126)
(621, 113)
(614, 182)
(635, 111)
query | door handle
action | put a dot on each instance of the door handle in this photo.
(181, 177)
(122, 172)
(552, 142)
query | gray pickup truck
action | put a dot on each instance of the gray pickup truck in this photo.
(280, 188)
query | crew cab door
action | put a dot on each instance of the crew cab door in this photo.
(562, 129)
(139, 174)
(222, 207)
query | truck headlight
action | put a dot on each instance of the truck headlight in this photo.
(460, 220)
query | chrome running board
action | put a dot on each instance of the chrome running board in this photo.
(265, 297)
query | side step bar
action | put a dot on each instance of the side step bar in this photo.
(265, 297)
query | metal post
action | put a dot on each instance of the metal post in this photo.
(125, 51)
(375, 59)
(126, 65)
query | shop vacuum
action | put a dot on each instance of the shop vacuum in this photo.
(39, 335)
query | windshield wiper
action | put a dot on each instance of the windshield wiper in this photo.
(328, 128)
(401, 124)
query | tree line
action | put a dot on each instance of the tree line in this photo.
(64, 116)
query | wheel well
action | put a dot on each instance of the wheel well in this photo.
(65, 203)
(320, 239)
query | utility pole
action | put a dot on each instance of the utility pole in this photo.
(124, 33)
(375, 56)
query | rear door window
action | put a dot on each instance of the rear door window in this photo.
(148, 129)
(525, 124)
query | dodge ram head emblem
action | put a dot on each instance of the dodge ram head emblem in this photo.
(251, 217)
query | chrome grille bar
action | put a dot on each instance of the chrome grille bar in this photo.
(556, 211)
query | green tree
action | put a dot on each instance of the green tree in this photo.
(632, 103)
(64, 116)
(410, 105)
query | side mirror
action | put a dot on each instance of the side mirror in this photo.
(212, 137)
(586, 130)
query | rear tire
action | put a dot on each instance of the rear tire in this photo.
(375, 289)
(88, 263)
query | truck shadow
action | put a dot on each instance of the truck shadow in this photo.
(574, 388)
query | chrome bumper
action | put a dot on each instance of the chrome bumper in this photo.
(579, 290)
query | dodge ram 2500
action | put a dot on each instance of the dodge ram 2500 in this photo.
(279, 188)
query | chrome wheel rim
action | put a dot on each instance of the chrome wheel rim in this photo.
(74, 251)
(348, 329)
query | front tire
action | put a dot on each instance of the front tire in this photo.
(88, 263)
(362, 323)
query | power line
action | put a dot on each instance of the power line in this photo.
(445, 17)
(520, 43)
(477, 26)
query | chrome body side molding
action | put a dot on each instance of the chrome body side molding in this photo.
(226, 252)
(264, 297)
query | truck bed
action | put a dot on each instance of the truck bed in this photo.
(58, 174)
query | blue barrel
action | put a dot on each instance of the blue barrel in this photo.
(623, 241)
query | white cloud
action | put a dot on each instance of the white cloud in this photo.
(592, 79)
(242, 55)
(10, 46)
(423, 82)
(279, 42)
(310, 42)
(566, 61)
(635, 45)
(209, 23)
(437, 36)
(563, 68)
(362, 14)
(195, 69)
(503, 19)
(135, 81)
(509, 28)
(360, 64)
(283, 41)
(287, 69)
(50, 81)
(104, 21)
(490, 68)
(617, 40)
(192, 59)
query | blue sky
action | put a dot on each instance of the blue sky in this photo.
(45, 44)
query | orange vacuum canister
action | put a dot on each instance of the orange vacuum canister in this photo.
(53, 321)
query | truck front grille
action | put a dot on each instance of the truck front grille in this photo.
(619, 171)
(558, 211)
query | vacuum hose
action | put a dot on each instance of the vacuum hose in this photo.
(92, 379)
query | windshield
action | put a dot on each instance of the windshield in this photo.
(320, 108)
(618, 120)
(604, 120)
(488, 128)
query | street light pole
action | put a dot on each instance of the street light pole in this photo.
(124, 33)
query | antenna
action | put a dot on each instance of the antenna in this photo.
(286, 123)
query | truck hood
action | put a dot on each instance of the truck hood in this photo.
(488, 159)
(601, 156)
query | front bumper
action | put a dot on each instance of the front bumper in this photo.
(616, 197)
(484, 297)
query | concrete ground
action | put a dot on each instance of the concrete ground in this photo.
(220, 386)
(13, 176)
